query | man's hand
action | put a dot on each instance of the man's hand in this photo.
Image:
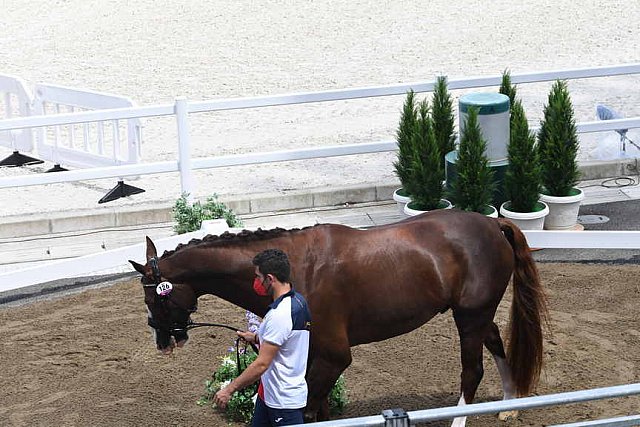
(222, 397)
(249, 337)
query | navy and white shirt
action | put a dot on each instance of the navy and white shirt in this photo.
(287, 325)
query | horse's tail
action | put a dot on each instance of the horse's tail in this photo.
(528, 313)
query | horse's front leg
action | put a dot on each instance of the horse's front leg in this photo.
(324, 369)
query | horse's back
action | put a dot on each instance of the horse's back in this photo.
(436, 230)
(405, 273)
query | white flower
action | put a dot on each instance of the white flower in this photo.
(224, 384)
(227, 361)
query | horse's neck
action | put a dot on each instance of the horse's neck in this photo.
(224, 272)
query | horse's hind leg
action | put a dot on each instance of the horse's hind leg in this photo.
(472, 330)
(494, 344)
(323, 372)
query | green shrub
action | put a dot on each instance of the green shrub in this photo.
(558, 143)
(240, 407)
(404, 140)
(189, 217)
(473, 188)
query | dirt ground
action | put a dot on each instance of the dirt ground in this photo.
(88, 360)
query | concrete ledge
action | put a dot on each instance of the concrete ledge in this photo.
(279, 202)
(161, 212)
(342, 195)
(608, 169)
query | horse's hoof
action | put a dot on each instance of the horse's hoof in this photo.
(507, 415)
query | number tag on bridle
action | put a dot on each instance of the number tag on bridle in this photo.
(164, 288)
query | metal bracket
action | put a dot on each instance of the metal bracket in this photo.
(396, 417)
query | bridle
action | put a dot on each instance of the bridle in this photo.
(181, 330)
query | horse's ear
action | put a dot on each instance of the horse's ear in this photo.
(138, 267)
(151, 249)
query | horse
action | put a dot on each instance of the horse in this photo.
(368, 285)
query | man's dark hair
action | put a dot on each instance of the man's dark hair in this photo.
(273, 261)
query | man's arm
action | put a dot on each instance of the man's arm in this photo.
(249, 376)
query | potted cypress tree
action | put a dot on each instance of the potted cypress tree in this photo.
(472, 190)
(523, 178)
(426, 172)
(558, 146)
(443, 118)
(402, 164)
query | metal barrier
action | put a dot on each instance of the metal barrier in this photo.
(396, 418)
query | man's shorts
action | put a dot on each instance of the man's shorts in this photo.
(263, 416)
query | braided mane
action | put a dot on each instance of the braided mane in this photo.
(227, 238)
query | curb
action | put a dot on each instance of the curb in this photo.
(161, 212)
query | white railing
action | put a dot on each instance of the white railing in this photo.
(117, 258)
(103, 143)
(15, 100)
(181, 109)
(84, 145)
(106, 262)
(495, 407)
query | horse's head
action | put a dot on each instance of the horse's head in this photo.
(169, 305)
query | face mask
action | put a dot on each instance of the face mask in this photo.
(259, 288)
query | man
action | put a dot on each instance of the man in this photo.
(283, 338)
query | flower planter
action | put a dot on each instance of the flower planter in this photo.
(401, 200)
(526, 220)
(563, 211)
(408, 210)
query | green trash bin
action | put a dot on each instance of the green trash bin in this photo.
(493, 118)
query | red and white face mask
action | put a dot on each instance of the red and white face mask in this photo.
(260, 288)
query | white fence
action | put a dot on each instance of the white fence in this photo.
(181, 110)
(83, 145)
(15, 101)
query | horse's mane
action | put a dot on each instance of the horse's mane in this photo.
(226, 238)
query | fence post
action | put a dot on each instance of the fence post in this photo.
(184, 148)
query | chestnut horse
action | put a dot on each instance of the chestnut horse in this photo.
(369, 285)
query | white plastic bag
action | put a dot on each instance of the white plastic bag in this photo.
(608, 147)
